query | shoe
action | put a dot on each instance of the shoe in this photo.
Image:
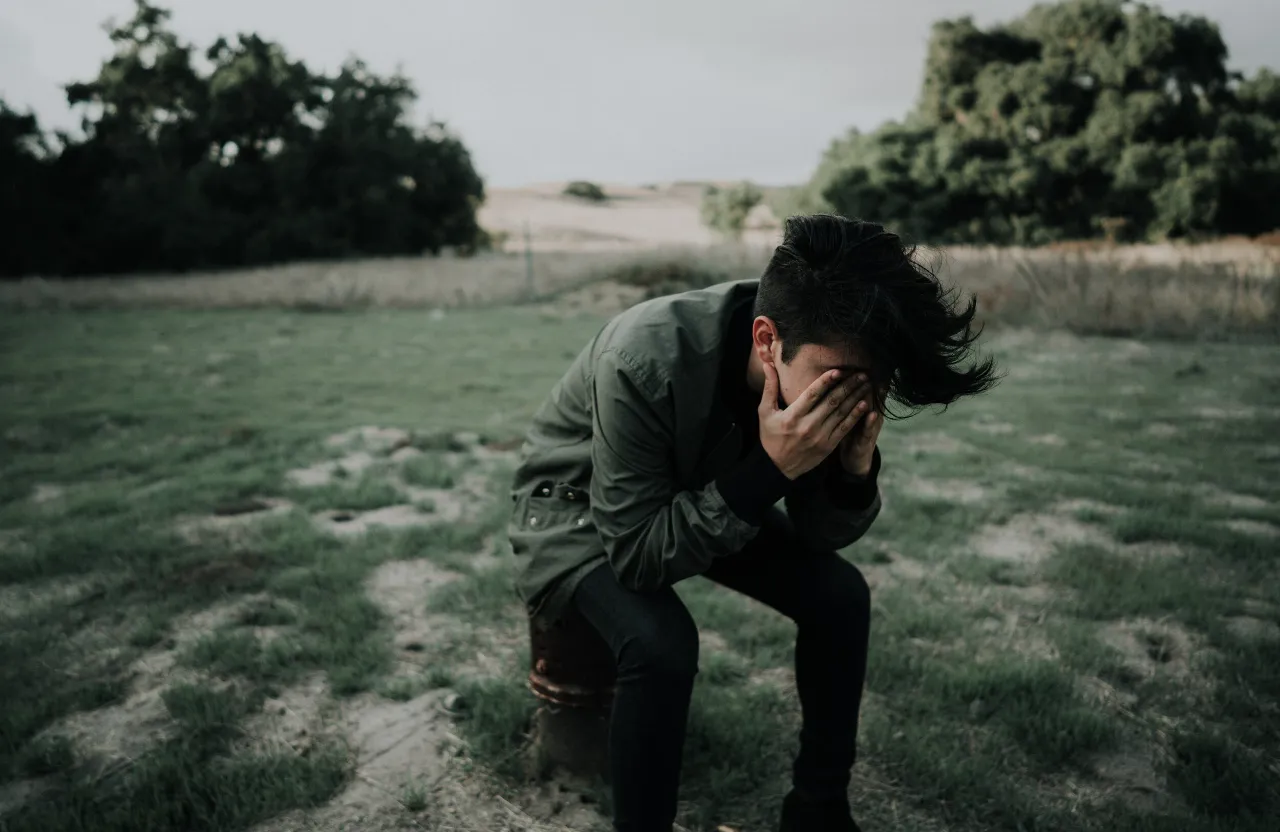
(800, 814)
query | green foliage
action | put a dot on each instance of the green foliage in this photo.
(725, 209)
(48, 755)
(1082, 117)
(585, 190)
(1217, 776)
(257, 160)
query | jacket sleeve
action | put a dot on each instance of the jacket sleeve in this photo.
(653, 533)
(831, 510)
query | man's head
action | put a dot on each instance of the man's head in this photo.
(847, 293)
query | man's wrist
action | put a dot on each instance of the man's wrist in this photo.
(867, 468)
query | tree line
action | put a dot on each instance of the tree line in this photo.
(1081, 119)
(231, 157)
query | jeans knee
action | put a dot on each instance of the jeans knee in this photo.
(663, 648)
(843, 602)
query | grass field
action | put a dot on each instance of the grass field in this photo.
(226, 607)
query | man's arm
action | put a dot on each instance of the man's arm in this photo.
(831, 509)
(654, 533)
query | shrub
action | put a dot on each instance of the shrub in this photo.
(585, 190)
(726, 209)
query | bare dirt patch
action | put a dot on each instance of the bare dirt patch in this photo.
(1151, 648)
(323, 473)
(896, 570)
(348, 523)
(1161, 430)
(401, 455)
(1079, 505)
(404, 749)
(949, 490)
(401, 589)
(1013, 631)
(936, 442)
(369, 446)
(1216, 496)
(293, 719)
(398, 747)
(711, 641)
(1154, 550)
(107, 740)
(1253, 629)
(1255, 528)
(1028, 473)
(993, 428)
(1130, 774)
(460, 503)
(1220, 413)
(47, 493)
(371, 438)
(1032, 537)
(782, 679)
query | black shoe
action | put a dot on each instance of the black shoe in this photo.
(800, 814)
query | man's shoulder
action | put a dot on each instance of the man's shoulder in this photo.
(666, 337)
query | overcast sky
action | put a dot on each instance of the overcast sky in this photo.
(612, 90)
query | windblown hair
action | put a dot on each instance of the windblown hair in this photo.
(844, 282)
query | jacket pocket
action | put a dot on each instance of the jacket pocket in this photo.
(553, 505)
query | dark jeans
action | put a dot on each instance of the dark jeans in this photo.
(655, 643)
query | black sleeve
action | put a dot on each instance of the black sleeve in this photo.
(849, 492)
(753, 485)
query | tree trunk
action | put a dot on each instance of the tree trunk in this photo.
(573, 675)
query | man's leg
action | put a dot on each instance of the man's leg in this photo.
(829, 600)
(655, 644)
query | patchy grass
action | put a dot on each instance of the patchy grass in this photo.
(1001, 690)
(428, 471)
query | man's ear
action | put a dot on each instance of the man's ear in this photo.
(764, 338)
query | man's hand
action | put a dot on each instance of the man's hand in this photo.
(802, 435)
(857, 449)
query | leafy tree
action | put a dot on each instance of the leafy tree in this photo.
(1081, 117)
(256, 160)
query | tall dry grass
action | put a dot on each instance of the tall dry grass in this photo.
(1210, 290)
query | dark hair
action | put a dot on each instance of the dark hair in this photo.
(843, 282)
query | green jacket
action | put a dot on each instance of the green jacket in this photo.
(620, 462)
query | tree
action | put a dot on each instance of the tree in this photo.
(257, 160)
(1082, 117)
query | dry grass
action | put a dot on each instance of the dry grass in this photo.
(411, 282)
(1207, 290)
(1211, 290)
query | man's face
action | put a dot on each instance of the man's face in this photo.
(810, 362)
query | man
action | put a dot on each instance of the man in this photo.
(661, 455)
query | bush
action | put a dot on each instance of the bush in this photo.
(585, 190)
(725, 209)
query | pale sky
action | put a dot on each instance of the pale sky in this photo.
(630, 91)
